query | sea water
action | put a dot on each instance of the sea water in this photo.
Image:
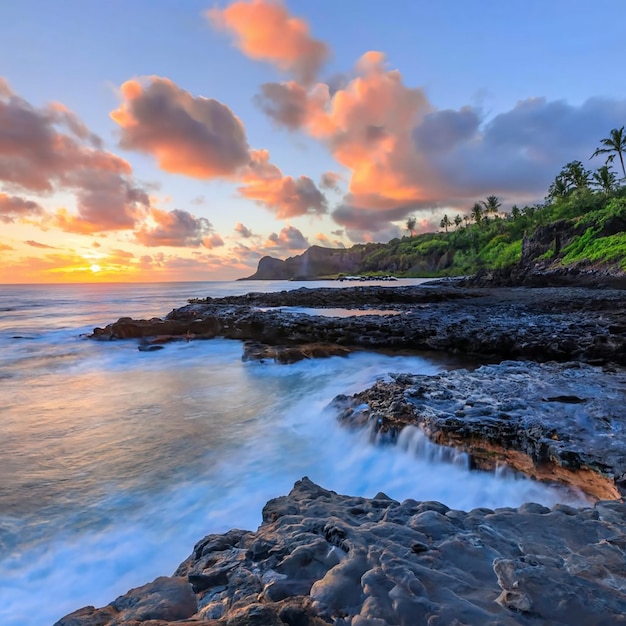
(114, 462)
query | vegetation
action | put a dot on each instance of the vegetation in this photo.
(586, 209)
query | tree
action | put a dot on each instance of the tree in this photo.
(515, 212)
(575, 176)
(558, 189)
(492, 204)
(477, 212)
(410, 225)
(615, 144)
(605, 179)
(457, 221)
(445, 222)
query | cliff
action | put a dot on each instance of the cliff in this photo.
(314, 262)
(572, 242)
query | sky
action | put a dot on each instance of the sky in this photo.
(154, 140)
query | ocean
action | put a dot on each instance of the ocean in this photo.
(114, 462)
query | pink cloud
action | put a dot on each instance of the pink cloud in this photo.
(264, 30)
(12, 208)
(289, 238)
(288, 197)
(194, 136)
(47, 149)
(176, 228)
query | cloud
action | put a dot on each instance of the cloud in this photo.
(175, 228)
(194, 136)
(48, 149)
(288, 197)
(3, 246)
(202, 138)
(264, 30)
(289, 238)
(213, 241)
(36, 244)
(519, 152)
(243, 231)
(405, 156)
(290, 104)
(330, 180)
(12, 208)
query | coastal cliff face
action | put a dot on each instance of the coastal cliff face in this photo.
(543, 262)
(314, 262)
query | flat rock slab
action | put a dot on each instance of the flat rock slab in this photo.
(554, 421)
(322, 558)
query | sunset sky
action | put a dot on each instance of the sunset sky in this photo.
(153, 140)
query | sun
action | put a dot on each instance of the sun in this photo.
(95, 268)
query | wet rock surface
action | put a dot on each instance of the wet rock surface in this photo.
(555, 412)
(538, 324)
(554, 421)
(322, 558)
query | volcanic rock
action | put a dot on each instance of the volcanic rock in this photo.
(322, 558)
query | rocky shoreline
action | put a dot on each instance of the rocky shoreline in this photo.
(555, 324)
(547, 399)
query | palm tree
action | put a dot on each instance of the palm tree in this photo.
(477, 212)
(410, 225)
(445, 222)
(457, 221)
(614, 144)
(492, 204)
(575, 176)
(558, 189)
(605, 179)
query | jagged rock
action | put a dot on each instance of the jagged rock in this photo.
(562, 422)
(321, 558)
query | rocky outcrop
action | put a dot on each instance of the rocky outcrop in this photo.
(205, 327)
(542, 325)
(541, 263)
(555, 422)
(322, 558)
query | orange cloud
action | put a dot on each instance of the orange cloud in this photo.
(177, 229)
(287, 196)
(289, 238)
(12, 208)
(243, 231)
(194, 136)
(48, 149)
(203, 138)
(264, 30)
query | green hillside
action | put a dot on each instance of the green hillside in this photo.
(581, 223)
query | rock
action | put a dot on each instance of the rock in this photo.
(530, 566)
(128, 328)
(256, 351)
(554, 421)
(537, 324)
(167, 599)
